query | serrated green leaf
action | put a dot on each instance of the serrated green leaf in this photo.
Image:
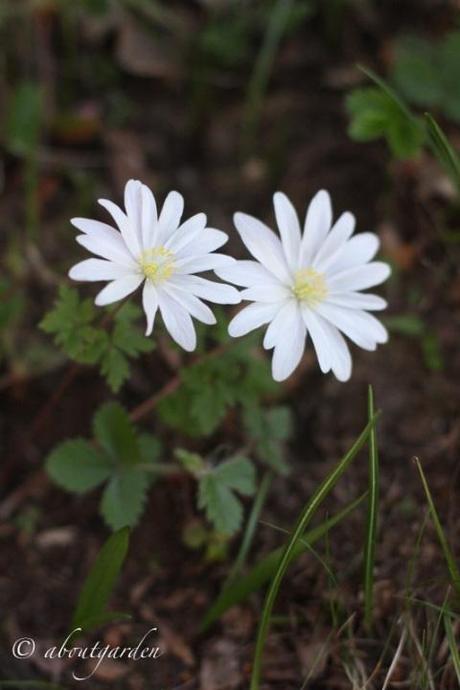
(191, 462)
(101, 580)
(210, 388)
(374, 113)
(115, 368)
(77, 466)
(216, 493)
(114, 431)
(222, 507)
(238, 474)
(149, 447)
(124, 497)
(269, 429)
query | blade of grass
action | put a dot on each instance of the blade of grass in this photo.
(443, 150)
(260, 76)
(250, 527)
(92, 602)
(391, 93)
(452, 643)
(239, 590)
(448, 555)
(372, 518)
(310, 509)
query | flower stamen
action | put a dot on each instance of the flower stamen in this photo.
(157, 264)
(310, 286)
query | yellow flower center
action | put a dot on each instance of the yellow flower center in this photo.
(157, 264)
(309, 286)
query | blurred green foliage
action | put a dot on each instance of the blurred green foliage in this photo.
(121, 459)
(77, 330)
(426, 73)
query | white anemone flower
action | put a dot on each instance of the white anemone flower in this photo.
(157, 250)
(308, 283)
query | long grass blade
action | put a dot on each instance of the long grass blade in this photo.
(372, 517)
(448, 555)
(250, 527)
(443, 150)
(244, 586)
(453, 646)
(310, 509)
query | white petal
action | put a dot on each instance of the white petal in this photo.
(97, 269)
(358, 250)
(277, 329)
(207, 241)
(150, 304)
(334, 242)
(177, 321)
(118, 289)
(149, 218)
(338, 351)
(289, 349)
(130, 234)
(317, 224)
(170, 216)
(207, 289)
(192, 304)
(362, 328)
(319, 336)
(252, 317)
(246, 274)
(289, 227)
(109, 247)
(186, 233)
(267, 293)
(359, 277)
(263, 244)
(208, 262)
(357, 300)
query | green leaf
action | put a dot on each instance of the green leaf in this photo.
(269, 429)
(243, 586)
(24, 119)
(124, 497)
(115, 368)
(149, 447)
(77, 466)
(191, 462)
(216, 493)
(238, 474)
(210, 388)
(115, 432)
(72, 322)
(222, 507)
(374, 114)
(416, 72)
(101, 580)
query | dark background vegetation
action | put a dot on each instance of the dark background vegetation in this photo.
(95, 92)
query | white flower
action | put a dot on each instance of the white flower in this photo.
(308, 283)
(159, 251)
